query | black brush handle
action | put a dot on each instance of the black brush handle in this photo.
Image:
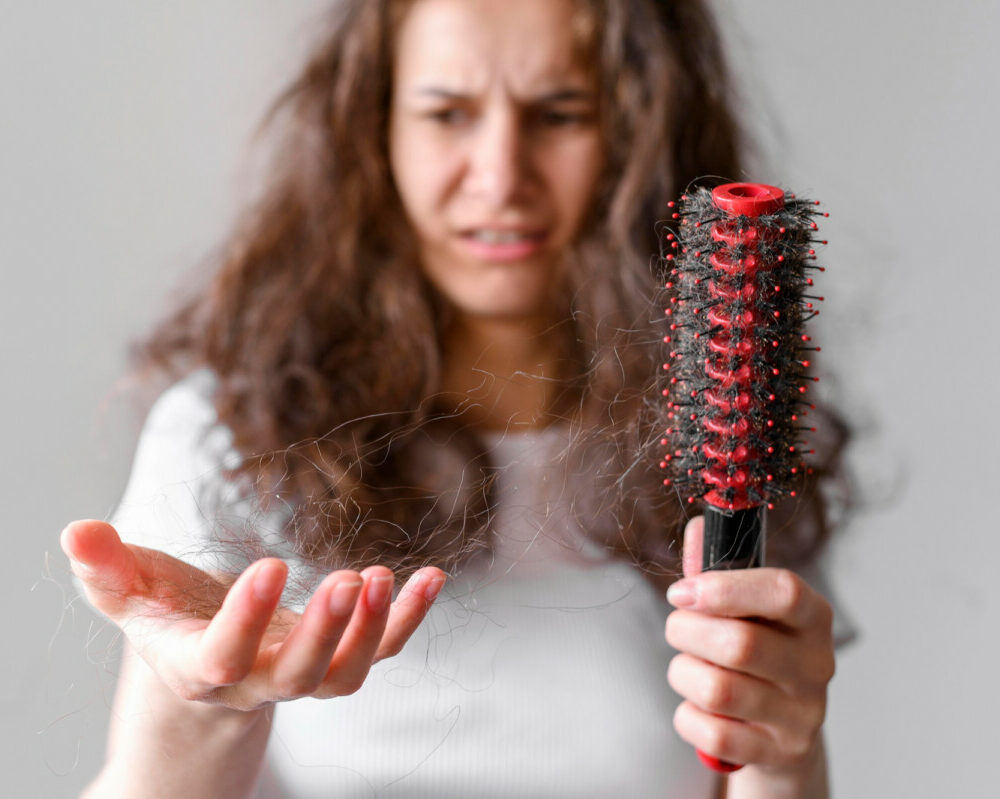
(733, 539)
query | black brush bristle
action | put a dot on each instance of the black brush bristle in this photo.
(737, 292)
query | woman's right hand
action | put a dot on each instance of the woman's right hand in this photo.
(231, 644)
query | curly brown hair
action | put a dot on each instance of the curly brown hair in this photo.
(325, 340)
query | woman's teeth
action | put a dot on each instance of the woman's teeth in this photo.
(502, 236)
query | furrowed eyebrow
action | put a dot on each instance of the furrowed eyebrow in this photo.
(557, 96)
(565, 95)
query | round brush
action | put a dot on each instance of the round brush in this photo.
(739, 287)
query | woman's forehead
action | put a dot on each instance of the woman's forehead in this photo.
(470, 46)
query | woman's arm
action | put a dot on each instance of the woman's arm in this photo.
(192, 712)
(807, 782)
(160, 745)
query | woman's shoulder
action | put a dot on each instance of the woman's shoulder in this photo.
(178, 471)
(186, 404)
(183, 429)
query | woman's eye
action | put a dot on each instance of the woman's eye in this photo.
(560, 119)
(448, 116)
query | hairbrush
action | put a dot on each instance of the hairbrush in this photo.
(738, 276)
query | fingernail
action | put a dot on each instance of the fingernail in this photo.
(682, 594)
(432, 588)
(379, 593)
(267, 582)
(343, 597)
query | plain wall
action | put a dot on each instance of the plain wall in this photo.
(124, 127)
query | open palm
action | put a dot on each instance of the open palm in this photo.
(213, 639)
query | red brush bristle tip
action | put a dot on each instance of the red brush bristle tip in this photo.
(738, 281)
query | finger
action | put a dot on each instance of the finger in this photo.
(409, 610)
(748, 647)
(729, 693)
(228, 647)
(304, 657)
(106, 567)
(777, 595)
(356, 651)
(723, 738)
(694, 532)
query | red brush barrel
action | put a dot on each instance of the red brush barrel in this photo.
(728, 446)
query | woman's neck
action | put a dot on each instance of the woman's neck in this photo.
(502, 374)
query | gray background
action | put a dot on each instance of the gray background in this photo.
(123, 152)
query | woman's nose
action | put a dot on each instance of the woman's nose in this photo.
(498, 165)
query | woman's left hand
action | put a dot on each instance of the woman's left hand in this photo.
(756, 655)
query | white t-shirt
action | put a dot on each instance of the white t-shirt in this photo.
(539, 672)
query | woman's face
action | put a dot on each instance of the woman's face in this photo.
(495, 148)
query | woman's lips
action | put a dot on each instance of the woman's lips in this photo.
(502, 244)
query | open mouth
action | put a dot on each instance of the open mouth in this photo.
(496, 244)
(493, 236)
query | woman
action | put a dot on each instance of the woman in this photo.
(427, 350)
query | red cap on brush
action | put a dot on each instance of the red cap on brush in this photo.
(739, 285)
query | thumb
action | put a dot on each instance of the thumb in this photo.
(106, 567)
(691, 554)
